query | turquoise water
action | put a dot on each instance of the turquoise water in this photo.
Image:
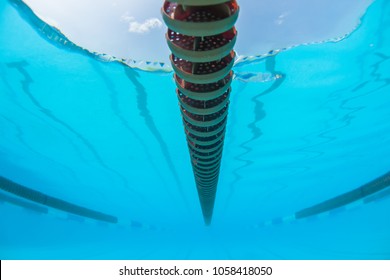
(306, 125)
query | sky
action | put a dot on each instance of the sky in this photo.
(134, 28)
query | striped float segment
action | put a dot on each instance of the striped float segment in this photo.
(201, 37)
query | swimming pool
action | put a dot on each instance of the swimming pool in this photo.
(94, 163)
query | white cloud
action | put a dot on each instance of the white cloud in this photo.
(144, 27)
(281, 18)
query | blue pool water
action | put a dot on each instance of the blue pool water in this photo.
(307, 128)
